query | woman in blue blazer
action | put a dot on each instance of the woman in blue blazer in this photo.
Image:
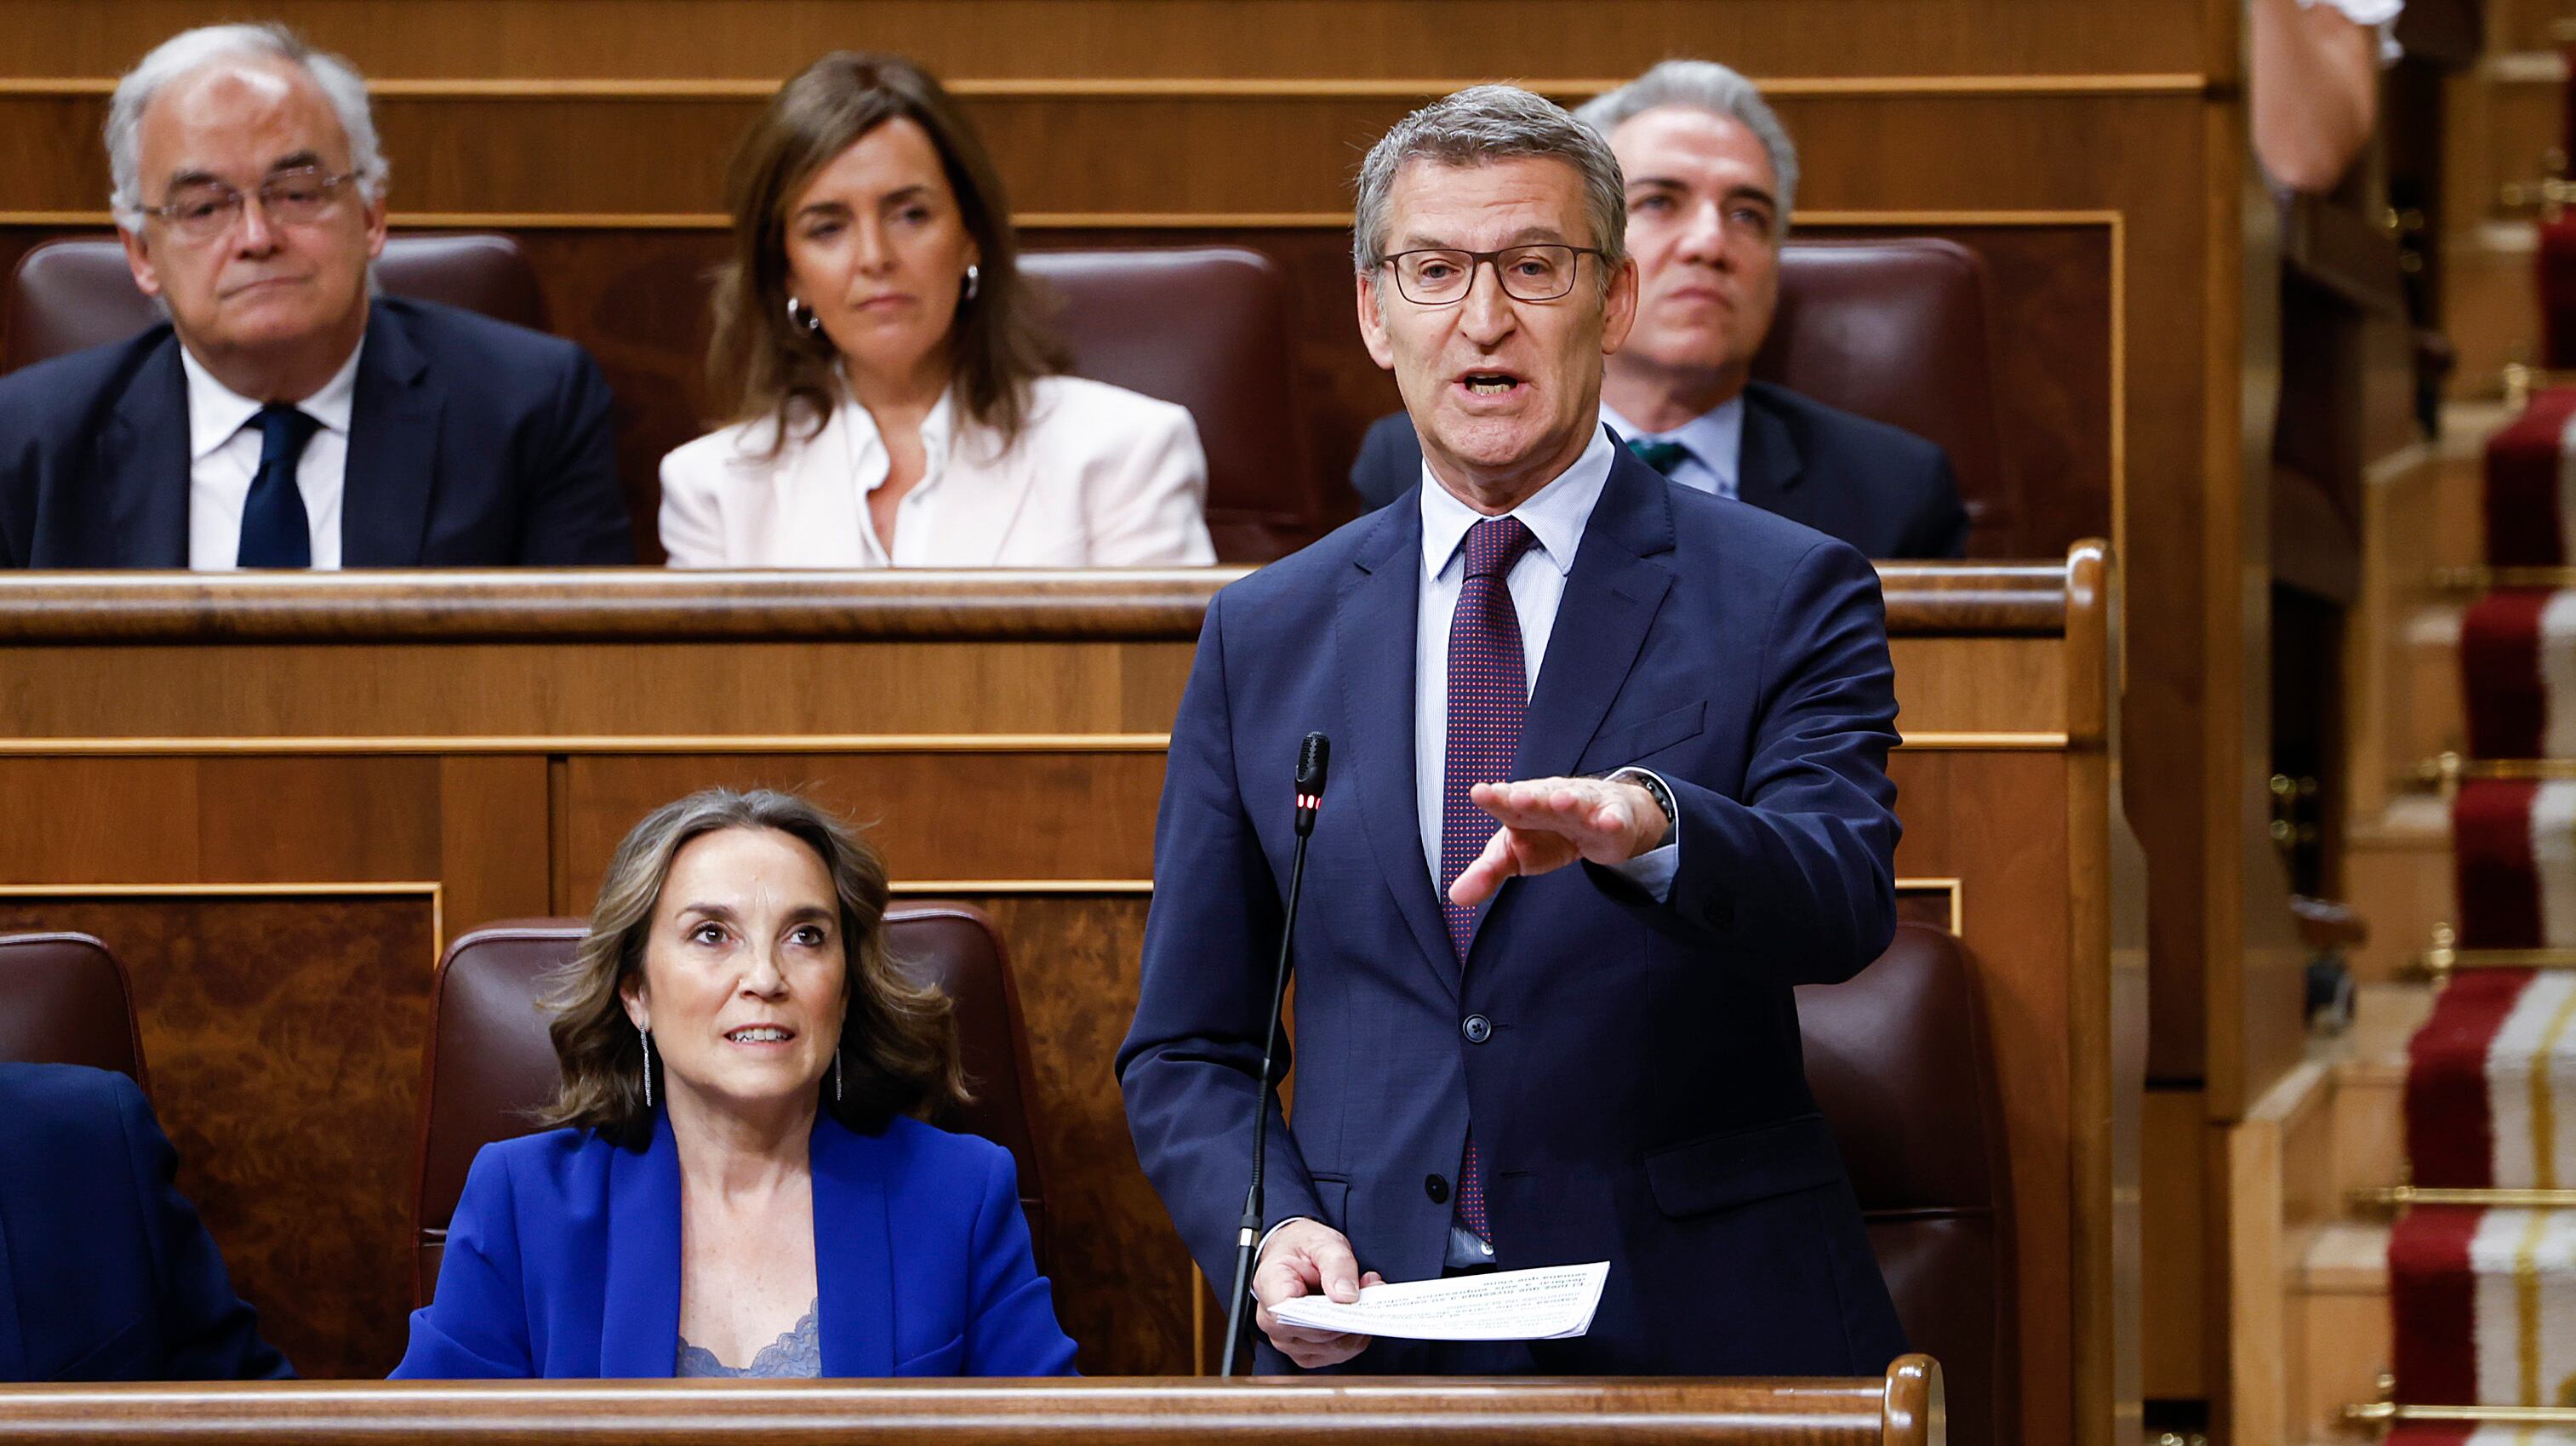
(739, 1186)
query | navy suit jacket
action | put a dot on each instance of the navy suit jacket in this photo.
(1639, 1097)
(1882, 489)
(472, 443)
(106, 1274)
(563, 1261)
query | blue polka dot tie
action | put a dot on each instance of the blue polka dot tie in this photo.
(1488, 696)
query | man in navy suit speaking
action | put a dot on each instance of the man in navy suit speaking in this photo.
(282, 417)
(1712, 180)
(1548, 655)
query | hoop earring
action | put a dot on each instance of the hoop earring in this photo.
(973, 276)
(836, 1076)
(646, 1035)
(801, 315)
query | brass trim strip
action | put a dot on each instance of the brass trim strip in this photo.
(555, 88)
(2405, 1196)
(919, 888)
(2450, 768)
(1139, 221)
(592, 744)
(1957, 890)
(2382, 1412)
(1985, 742)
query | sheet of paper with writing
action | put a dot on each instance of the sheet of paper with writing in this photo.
(1552, 1304)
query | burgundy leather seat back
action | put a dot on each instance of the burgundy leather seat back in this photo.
(1896, 330)
(1898, 1059)
(67, 295)
(491, 1059)
(64, 999)
(1207, 327)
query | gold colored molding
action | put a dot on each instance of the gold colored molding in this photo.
(588, 744)
(554, 88)
(1955, 888)
(429, 889)
(2386, 1412)
(1984, 742)
(2400, 1197)
(943, 888)
(1111, 221)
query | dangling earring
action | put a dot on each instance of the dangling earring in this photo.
(646, 1035)
(836, 1075)
(801, 315)
(973, 275)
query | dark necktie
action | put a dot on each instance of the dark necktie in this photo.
(1488, 696)
(275, 531)
(1662, 456)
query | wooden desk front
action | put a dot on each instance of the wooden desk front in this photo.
(277, 798)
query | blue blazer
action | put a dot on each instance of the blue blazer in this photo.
(563, 1261)
(1636, 1086)
(1882, 489)
(472, 443)
(106, 1274)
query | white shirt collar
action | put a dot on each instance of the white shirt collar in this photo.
(216, 412)
(1555, 514)
(1715, 437)
(937, 429)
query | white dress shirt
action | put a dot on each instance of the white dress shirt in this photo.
(1098, 477)
(1555, 515)
(1714, 439)
(223, 459)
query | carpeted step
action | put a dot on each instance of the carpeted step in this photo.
(2484, 1305)
(2531, 485)
(2491, 1084)
(2518, 673)
(2513, 845)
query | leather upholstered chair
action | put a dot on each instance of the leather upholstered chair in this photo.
(1207, 327)
(67, 295)
(64, 999)
(490, 1059)
(1899, 1061)
(1896, 330)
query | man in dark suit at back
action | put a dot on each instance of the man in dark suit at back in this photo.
(283, 417)
(106, 1274)
(1711, 178)
(1546, 655)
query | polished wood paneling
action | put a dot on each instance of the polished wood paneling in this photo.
(1905, 1408)
(283, 1035)
(1190, 38)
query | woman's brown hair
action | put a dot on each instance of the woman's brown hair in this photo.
(898, 1042)
(762, 366)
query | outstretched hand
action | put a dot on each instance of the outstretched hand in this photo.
(1548, 823)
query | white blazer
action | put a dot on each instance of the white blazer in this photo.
(1100, 477)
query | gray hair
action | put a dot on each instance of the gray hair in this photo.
(1489, 123)
(194, 49)
(1709, 86)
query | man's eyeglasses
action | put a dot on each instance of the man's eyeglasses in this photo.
(1528, 273)
(204, 210)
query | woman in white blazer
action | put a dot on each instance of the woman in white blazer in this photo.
(894, 401)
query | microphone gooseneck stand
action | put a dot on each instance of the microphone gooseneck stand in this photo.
(1312, 759)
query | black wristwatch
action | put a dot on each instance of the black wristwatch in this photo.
(1663, 798)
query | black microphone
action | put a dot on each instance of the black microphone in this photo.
(1313, 757)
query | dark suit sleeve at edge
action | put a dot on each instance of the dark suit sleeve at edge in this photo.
(1192, 1058)
(208, 1333)
(576, 511)
(1797, 882)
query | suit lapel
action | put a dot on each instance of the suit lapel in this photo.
(1610, 600)
(143, 464)
(854, 1274)
(1769, 464)
(639, 1335)
(1374, 625)
(393, 449)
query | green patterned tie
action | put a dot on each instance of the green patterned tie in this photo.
(1662, 456)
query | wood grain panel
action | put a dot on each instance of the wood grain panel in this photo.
(932, 816)
(1085, 38)
(283, 1037)
(2013, 685)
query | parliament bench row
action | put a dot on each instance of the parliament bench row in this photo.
(1897, 1058)
(1896, 330)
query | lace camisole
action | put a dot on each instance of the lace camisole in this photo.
(797, 1355)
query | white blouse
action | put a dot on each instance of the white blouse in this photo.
(1100, 477)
